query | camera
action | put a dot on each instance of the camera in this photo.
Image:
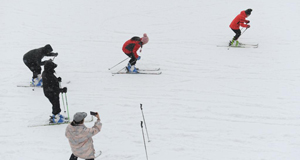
(93, 113)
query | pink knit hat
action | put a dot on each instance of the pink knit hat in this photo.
(145, 38)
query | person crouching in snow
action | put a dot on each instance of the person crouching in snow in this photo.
(238, 21)
(51, 91)
(80, 137)
(130, 48)
(33, 60)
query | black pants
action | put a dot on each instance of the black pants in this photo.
(34, 68)
(73, 157)
(133, 60)
(237, 34)
(54, 100)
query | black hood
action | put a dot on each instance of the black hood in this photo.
(49, 66)
(48, 48)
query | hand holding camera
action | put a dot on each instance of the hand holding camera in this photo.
(95, 114)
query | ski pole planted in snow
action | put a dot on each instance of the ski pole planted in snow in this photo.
(145, 123)
(118, 64)
(67, 106)
(144, 140)
(62, 97)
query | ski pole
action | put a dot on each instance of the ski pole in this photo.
(67, 105)
(145, 122)
(62, 97)
(244, 31)
(144, 140)
(118, 64)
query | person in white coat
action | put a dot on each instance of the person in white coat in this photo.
(80, 137)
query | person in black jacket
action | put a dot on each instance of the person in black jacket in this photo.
(52, 89)
(33, 60)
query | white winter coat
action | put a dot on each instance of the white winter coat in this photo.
(80, 139)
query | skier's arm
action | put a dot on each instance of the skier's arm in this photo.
(52, 54)
(242, 22)
(42, 63)
(95, 129)
(135, 49)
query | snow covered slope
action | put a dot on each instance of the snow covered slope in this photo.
(210, 103)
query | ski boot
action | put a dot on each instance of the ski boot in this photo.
(37, 82)
(234, 43)
(57, 119)
(131, 68)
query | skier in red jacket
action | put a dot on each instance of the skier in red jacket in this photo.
(130, 48)
(238, 21)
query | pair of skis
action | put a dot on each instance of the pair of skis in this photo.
(241, 45)
(54, 124)
(155, 71)
(32, 86)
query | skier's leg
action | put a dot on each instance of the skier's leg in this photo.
(133, 59)
(131, 64)
(54, 100)
(36, 69)
(73, 157)
(55, 104)
(32, 67)
(237, 34)
(236, 37)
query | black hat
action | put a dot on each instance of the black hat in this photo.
(248, 11)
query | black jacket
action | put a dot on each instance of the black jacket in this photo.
(36, 55)
(50, 81)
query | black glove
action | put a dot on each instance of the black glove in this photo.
(55, 54)
(248, 22)
(248, 26)
(59, 79)
(63, 90)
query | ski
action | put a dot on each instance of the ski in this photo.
(48, 124)
(68, 82)
(29, 86)
(98, 153)
(244, 44)
(154, 69)
(150, 73)
(55, 124)
(240, 46)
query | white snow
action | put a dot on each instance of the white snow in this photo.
(210, 103)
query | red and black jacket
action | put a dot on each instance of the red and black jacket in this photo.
(239, 20)
(132, 46)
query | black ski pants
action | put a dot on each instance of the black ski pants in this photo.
(133, 60)
(73, 157)
(237, 34)
(34, 68)
(54, 100)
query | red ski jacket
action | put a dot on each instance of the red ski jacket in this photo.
(239, 20)
(132, 45)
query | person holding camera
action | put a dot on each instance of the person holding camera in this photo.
(33, 60)
(80, 137)
(51, 91)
